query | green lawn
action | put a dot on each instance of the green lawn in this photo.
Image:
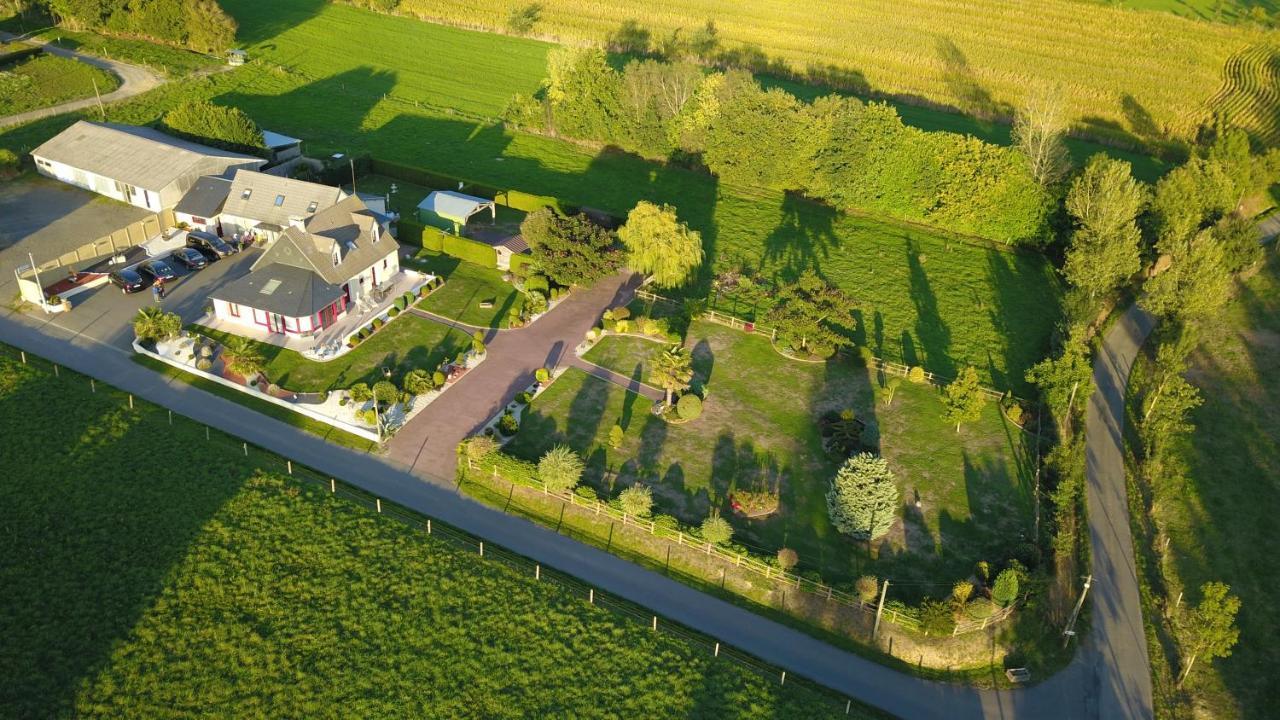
(407, 343)
(169, 61)
(759, 430)
(466, 286)
(1221, 520)
(137, 588)
(626, 355)
(924, 297)
(46, 80)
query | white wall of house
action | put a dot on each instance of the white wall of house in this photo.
(373, 276)
(140, 197)
(198, 222)
(257, 320)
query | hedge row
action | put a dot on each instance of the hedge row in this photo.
(522, 265)
(437, 240)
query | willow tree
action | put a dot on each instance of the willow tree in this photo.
(659, 244)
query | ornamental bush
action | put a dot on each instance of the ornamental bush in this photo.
(542, 375)
(360, 392)
(689, 407)
(716, 530)
(1005, 591)
(560, 469)
(863, 499)
(916, 374)
(636, 500)
(788, 558)
(866, 587)
(937, 618)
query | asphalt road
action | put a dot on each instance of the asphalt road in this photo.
(134, 80)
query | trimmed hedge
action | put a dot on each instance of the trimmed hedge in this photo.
(470, 251)
(426, 237)
(522, 265)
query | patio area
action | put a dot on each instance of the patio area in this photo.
(331, 343)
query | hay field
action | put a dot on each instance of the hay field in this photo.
(1128, 75)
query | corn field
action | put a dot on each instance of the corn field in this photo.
(1127, 75)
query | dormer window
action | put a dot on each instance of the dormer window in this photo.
(337, 256)
(247, 192)
(279, 200)
(312, 207)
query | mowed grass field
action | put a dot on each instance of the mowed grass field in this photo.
(759, 431)
(46, 80)
(1125, 74)
(150, 572)
(924, 298)
(1221, 521)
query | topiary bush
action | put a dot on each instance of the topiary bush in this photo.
(636, 500)
(916, 374)
(542, 375)
(394, 311)
(689, 407)
(360, 392)
(508, 425)
(524, 397)
(376, 324)
(787, 559)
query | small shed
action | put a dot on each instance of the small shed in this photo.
(282, 147)
(453, 207)
(236, 58)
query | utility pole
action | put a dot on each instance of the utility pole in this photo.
(1071, 624)
(101, 110)
(352, 160)
(875, 631)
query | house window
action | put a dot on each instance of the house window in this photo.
(198, 220)
(384, 263)
(247, 192)
(234, 309)
(279, 200)
(312, 207)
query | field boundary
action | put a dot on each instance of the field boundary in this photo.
(461, 539)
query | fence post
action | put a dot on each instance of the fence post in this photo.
(784, 678)
(171, 418)
(333, 487)
(428, 526)
(206, 432)
(246, 449)
(848, 705)
(655, 623)
(55, 370)
(23, 353)
(93, 387)
(130, 401)
(481, 548)
(537, 572)
(717, 652)
(378, 501)
(591, 596)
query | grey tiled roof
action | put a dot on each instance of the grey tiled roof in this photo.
(205, 198)
(263, 191)
(349, 227)
(290, 291)
(139, 156)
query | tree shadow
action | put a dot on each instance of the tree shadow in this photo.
(256, 26)
(1023, 329)
(1140, 121)
(629, 402)
(703, 360)
(960, 77)
(932, 331)
(805, 236)
(92, 562)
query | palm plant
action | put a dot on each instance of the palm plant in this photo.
(152, 323)
(672, 370)
(242, 356)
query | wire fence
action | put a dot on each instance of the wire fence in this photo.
(460, 539)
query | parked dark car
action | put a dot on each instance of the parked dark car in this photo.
(210, 245)
(190, 258)
(128, 280)
(158, 270)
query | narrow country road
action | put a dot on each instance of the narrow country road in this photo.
(134, 80)
(1117, 645)
(1107, 679)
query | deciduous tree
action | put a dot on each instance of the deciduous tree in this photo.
(225, 127)
(1104, 201)
(1195, 286)
(659, 244)
(1039, 129)
(1209, 630)
(571, 250)
(964, 399)
(863, 498)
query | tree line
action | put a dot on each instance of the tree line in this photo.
(852, 154)
(200, 25)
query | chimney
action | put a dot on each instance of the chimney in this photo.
(298, 222)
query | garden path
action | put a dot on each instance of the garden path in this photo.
(428, 443)
(134, 80)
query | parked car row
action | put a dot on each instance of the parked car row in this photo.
(202, 248)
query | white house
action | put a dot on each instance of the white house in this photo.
(265, 204)
(138, 165)
(316, 270)
(201, 207)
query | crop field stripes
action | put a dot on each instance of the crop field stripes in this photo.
(1250, 94)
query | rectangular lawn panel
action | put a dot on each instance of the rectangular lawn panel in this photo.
(138, 587)
(47, 80)
(759, 431)
(407, 343)
(467, 286)
(629, 356)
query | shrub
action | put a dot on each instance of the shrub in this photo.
(10, 164)
(224, 127)
(716, 530)
(394, 311)
(621, 313)
(376, 324)
(353, 341)
(616, 436)
(364, 333)
(689, 407)
(386, 392)
(360, 392)
(937, 618)
(961, 592)
(667, 522)
(508, 425)
(480, 447)
(980, 609)
(542, 375)
(417, 381)
(1015, 414)
(537, 283)
(636, 500)
(477, 342)
(787, 559)
(622, 326)
(524, 397)
(407, 299)
(863, 499)
(867, 587)
(916, 374)
(560, 468)
(204, 364)
(586, 492)
(1005, 591)
(438, 379)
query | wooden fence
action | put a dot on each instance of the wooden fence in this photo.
(739, 560)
